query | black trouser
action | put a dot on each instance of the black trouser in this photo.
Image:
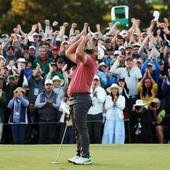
(95, 127)
(80, 104)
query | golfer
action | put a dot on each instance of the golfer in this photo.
(83, 53)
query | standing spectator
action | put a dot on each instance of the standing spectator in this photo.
(42, 60)
(147, 88)
(35, 84)
(32, 128)
(157, 114)
(140, 123)
(95, 113)
(2, 106)
(102, 73)
(131, 73)
(2, 61)
(135, 54)
(108, 56)
(48, 105)
(55, 52)
(18, 118)
(114, 130)
(166, 95)
(10, 54)
(59, 87)
(31, 53)
(153, 67)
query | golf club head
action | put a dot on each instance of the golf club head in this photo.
(55, 162)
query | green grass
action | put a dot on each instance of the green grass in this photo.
(104, 157)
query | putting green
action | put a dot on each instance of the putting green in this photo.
(104, 157)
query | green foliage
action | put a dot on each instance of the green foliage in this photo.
(28, 12)
(86, 11)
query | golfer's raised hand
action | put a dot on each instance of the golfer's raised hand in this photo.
(85, 38)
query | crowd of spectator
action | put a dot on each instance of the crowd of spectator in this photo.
(130, 91)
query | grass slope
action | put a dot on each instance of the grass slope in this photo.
(104, 157)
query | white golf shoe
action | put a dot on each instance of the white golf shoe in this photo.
(73, 159)
(83, 161)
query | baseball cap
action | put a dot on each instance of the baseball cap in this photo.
(122, 47)
(35, 34)
(136, 45)
(21, 60)
(102, 64)
(48, 81)
(53, 63)
(48, 38)
(128, 46)
(3, 58)
(117, 52)
(96, 77)
(150, 64)
(32, 47)
(4, 36)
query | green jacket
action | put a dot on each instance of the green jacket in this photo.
(44, 67)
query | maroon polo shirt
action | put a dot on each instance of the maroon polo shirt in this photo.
(82, 76)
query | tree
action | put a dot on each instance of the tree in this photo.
(28, 12)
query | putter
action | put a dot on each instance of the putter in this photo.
(59, 150)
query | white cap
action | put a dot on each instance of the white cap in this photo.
(136, 44)
(58, 39)
(35, 34)
(48, 38)
(21, 60)
(48, 81)
(102, 64)
(117, 52)
(96, 77)
(30, 38)
(122, 47)
(32, 46)
(2, 57)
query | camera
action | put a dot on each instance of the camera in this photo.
(153, 104)
(137, 108)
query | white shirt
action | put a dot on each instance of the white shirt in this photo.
(131, 79)
(98, 101)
